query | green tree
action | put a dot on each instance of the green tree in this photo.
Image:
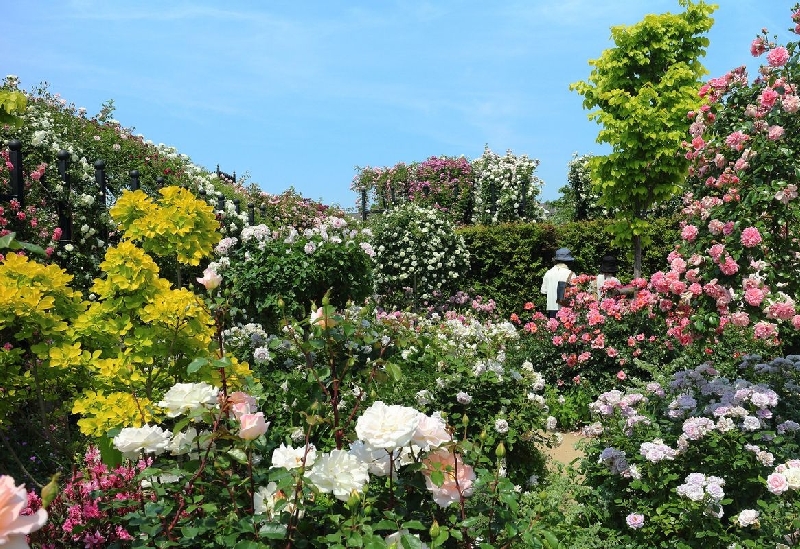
(640, 91)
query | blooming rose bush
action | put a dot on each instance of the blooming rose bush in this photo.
(277, 272)
(736, 265)
(419, 259)
(701, 458)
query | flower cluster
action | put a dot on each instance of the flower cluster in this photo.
(505, 188)
(419, 259)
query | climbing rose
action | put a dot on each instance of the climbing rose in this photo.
(751, 237)
(778, 57)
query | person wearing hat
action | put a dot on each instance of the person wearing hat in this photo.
(608, 268)
(560, 272)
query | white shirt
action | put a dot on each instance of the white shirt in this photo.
(602, 279)
(557, 273)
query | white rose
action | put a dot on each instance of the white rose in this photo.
(792, 475)
(431, 432)
(339, 473)
(292, 458)
(379, 460)
(184, 398)
(150, 439)
(182, 442)
(389, 427)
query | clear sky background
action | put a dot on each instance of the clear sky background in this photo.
(300, 93)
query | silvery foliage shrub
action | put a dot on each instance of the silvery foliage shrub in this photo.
(419, 259)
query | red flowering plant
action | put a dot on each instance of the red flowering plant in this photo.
(737, 263)
(444, 183)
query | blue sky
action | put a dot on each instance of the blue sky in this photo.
(299, 93)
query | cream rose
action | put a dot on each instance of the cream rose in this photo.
(339, 473)
(252, 426)
(388, 427)
(150, 439)
(184, 398)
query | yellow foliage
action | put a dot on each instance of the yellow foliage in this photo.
(179, 226)
(102, 412)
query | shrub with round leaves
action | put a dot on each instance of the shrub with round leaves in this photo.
(419, 259)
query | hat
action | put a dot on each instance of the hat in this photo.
(563, 255)
(608, 264)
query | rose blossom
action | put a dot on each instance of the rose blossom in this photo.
(184, 398)
(748, 517)
(777, 483)
(319, 318)
(778, 57)
(775, 132)
(389, 427)
(13, 526)
(380, 462)
(458, 481)
(689, 233)
(252, 426)
(751, 237)
(242, 403)
(210, 279)
(292, 458)
(768, 98)
(431, 432)
(764, 330)
(149, 439)
(339, 473)
(635, 521)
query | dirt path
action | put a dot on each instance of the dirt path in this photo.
(566, 452)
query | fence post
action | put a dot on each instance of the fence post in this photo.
(221, 202)
(363, 204)
(159, 182)
(262, 209)
(100, 179)
(17, 183)
(238, 205)
(251, 213)
(134, 180)
(64, 214)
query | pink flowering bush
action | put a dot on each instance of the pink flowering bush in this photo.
(737, 262)
(699, 457)
(88, 509)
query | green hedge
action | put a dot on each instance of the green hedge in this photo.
(508, 261)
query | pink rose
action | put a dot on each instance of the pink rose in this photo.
(757, 47)
(777, 483)
(765, 330)
(768, 98)
(774, 133)
(14, 526)
(778, 57)
(431, 432)
(796, 322)
(321, 319)
(453, 469)
(210, 279)
(621, 375)
(242, 403)
(689, 233)
(754, 296)
(751, 237)
(252, 426)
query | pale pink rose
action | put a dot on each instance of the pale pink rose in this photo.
(715, 226)
(242, 403)
(459, 478)
(210, 279)
(736, 140)
(715, 251)
(796, 322)
(728, 227)
(431, 432)
(778, 57)
(729, 266)
(14, 526)
(777, 483)
(621, 375)
(765, 330)
(775, 132)
(782, 310)
(252, 426)
(790, 103)
(740, 319)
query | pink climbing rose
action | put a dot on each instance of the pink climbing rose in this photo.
(751, 237)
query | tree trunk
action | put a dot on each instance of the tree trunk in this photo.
(637, 256)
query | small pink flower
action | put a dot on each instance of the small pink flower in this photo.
(621, 375)
(740, 319)
(754, 296)
(796, 322)
(736, 140)
(790, 103)
(729, 266)
(777, 483)
(778, 57)
(751, 237)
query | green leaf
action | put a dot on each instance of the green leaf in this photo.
(196, 364)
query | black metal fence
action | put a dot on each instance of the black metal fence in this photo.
(63, 208)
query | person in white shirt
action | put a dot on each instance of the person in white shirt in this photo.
(560, 272)
(608, 268)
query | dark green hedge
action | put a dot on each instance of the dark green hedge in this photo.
(508, 261)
